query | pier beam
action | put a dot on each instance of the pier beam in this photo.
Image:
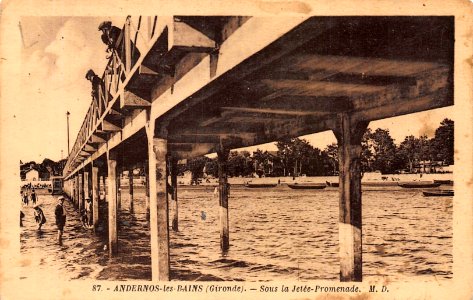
(159, 219)
(349, 134)
(112, 203)
(130, 187)
(173, 173)
(223, 191)
(95, 196)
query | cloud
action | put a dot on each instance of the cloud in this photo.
(53, 82)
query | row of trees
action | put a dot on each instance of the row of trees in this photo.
(295, 157)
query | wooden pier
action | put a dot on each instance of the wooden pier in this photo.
(187, 86)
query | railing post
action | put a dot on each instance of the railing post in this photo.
(127, 46)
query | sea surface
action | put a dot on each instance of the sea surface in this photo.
(275, 234)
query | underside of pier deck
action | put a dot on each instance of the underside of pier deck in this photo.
(202, 85)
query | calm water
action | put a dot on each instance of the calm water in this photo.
(275, 234)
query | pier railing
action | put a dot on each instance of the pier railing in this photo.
(136, 33)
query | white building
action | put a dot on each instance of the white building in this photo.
(32, 175)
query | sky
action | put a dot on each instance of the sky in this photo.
(56, 54)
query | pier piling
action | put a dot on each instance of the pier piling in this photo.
(119, 189)
(159, 220)
(223, 189)
(349, 134)
(130, 187)
(112, 203)
(173, 173)
(81, 190)
(95, 196)
(146, 169)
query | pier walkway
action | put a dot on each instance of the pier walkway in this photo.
(179, 87)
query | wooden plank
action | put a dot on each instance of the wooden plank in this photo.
(209, 138)
(96, 139)
(90, 149)
(349, 135)
(272, 111)
(95, 196)
(144, 70)
(185, 37)
(112, 203)
(324, 66)
(223, 191)
(109, 127)
(130, 100)
(319, 88)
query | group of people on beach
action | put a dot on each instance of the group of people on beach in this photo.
(40, 219)
(27, 194)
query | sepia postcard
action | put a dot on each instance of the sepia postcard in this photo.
(236, 150)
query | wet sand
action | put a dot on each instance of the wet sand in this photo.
(275, 234)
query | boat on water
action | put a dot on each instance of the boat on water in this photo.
(418, 184)
(444, 182)
(332, 184)
(307, 186)
(379, 183)
(437, 193)
(260, 185)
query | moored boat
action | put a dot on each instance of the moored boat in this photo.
(379, 183)
(260, 185)
(307, 186)
(444, 182)
(437, 193)
(418, 184)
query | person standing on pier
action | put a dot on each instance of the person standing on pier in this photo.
(110, 35)
(39, 217)
(60, 214)
(96, 82)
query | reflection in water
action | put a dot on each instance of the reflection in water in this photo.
(275, 234)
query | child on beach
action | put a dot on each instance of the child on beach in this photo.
(33, 197)
(39, 217)
(60, 214)
(22, 215)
